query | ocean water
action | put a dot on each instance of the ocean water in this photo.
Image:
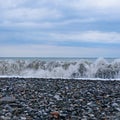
(85, 68)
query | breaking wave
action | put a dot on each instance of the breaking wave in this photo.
(100, 68)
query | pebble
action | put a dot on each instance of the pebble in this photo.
(45, 99)
(7, 99)
(23, 118)
(57, 97)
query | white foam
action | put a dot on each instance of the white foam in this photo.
(100, 69)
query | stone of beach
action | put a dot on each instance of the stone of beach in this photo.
(7, 99)
(63, 99)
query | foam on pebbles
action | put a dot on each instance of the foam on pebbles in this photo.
(50, 99)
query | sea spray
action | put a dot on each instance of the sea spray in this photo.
(100, 68)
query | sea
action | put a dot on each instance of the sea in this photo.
(64, 68)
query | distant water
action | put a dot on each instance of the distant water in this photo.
(104, 68)
(55, 58)
(48, 58)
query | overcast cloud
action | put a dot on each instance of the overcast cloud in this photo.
(66, 28)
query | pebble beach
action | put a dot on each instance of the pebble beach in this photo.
(38, 99)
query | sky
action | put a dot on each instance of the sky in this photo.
(60, 28)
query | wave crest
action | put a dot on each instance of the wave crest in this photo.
(100, 68)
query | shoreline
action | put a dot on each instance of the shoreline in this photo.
(57, 78)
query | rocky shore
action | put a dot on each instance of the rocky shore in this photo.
(53, 99)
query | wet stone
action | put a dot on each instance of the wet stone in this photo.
(7, 99)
